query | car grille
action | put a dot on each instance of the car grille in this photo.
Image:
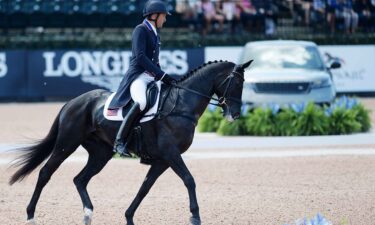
(282, 88)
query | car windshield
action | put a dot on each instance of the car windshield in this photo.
(284, 56)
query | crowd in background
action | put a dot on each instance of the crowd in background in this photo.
(256, 14)
(233, 16)
(347, 15)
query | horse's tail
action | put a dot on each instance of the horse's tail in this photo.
(32, 156)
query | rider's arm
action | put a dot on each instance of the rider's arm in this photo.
(139, 48)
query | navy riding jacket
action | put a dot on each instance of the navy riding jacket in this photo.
(145, 58)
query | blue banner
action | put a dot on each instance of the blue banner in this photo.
(13, 77)
(68, 73)
(73, 72)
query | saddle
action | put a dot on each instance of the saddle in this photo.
(143, 131)
(152, 95)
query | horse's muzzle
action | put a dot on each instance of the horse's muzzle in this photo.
(236, 115)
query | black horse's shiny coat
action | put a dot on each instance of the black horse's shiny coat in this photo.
(81, 122)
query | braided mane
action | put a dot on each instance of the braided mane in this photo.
(194, 71)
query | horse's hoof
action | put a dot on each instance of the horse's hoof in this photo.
(87, 220)
(195, 221)
(88, 216)
(129, 221)
(30, 222)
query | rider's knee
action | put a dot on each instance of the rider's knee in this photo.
(142, 104)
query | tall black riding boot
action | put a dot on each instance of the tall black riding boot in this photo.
(124, 131)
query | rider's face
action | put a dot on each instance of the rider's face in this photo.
(161, 20)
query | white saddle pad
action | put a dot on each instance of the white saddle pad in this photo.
(148, 116)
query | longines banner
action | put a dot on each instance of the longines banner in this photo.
(13, 78)
(73, 72)
(69, 73)
(357, 73)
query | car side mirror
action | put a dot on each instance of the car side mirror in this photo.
(335, 65)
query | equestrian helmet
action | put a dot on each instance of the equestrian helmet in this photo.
(155, 6)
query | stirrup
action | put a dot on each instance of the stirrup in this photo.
(121, 149)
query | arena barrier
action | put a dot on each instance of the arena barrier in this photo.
(67, 73)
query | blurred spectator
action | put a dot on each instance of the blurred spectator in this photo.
(188, 11)
(372, 10)
(318, 12)
(210, 14)
(300, 10)
(266, 11)
(345, 11)
(331, 14)
(247, 12)
(228, 8)
(362, 8)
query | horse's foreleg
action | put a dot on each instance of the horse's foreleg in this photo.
(154, 172)
(178, 165)
(99, 155)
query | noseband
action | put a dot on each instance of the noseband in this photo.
(221, 101)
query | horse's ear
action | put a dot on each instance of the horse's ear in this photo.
(247, 64)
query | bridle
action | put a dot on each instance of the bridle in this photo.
(221, 101)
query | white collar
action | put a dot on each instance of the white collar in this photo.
(152, 26)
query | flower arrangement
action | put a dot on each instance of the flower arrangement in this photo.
(344, 116)
(317, 220)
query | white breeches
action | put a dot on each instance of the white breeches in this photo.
(138, 89)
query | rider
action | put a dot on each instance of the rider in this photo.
(144, 68)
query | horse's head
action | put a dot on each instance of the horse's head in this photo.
(229, 91)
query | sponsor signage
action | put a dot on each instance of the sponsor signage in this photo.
(357, 72)
(68, 73)
(13, 78)
(3, 64)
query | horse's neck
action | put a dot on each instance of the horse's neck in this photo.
(192, 102)
(202, 83)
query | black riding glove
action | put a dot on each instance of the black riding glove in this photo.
(168, 79)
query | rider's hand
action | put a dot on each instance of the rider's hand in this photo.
(168, 79)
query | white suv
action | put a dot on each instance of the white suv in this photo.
(285, 72)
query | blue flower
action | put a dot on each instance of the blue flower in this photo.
(245, 109)
(328, 111)
(351, 102)
(275, 108)
(298, 107)
(317, 220)
(341, 102)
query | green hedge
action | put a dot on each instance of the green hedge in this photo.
(344, 116)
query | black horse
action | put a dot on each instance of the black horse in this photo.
(81, 122)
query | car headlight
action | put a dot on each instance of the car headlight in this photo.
(321, 83)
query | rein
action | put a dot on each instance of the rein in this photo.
(221, 100)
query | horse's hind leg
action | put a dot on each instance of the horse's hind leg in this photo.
(155, 171)
(58, 156)
(99, 154)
